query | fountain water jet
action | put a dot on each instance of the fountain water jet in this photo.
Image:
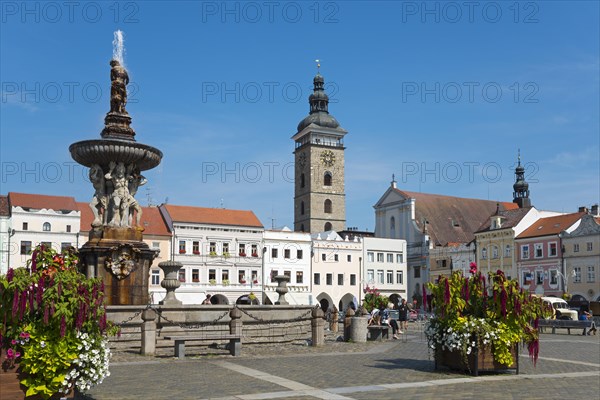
(115, 250)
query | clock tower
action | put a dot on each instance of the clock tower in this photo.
(319, 197)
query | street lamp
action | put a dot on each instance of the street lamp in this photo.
(573, 274)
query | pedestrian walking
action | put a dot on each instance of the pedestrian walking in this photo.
(403, 314)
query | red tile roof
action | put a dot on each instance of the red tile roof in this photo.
(152, 220)
(216, 216)
(42, 201)
(551, 225)
(452, 219)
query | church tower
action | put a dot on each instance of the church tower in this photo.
(521, 187)
(319, 197)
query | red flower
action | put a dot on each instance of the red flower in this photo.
(473, 268)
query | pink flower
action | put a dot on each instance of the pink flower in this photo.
(10, 354)
(473, 268)
(24, 335)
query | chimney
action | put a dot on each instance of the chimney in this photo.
(583, 209)
(595, 210)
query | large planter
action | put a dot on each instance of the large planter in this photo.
(480, 360)
(10, 386)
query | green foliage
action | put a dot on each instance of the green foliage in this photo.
(472, 311)
(43, 308)
(374, 300)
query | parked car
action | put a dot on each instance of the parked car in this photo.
(560, 308)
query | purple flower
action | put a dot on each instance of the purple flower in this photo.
(10, 274)
(10, 354)
(63, 326)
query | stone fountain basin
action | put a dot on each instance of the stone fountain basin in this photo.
(103, 151)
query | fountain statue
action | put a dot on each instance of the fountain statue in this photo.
(115, 250)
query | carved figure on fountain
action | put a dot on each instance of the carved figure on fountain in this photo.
(118, 89)
(99, 202)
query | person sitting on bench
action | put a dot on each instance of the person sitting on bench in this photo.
(585, 316)
(386, 320)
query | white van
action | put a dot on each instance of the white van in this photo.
(560, 308)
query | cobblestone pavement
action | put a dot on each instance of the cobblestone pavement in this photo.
(568, 367)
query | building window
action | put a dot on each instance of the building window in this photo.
(324, 257)
(507, 251)
(299, 277)
(553, 277)
(195, 275)
(399, 258)
(68, 228)
(539, 277)
(417, 272)
(370, 276)
(317, 278)
(393, 228)
(328, 226)
(46, 245)
(390, 258)
(242, 277)
(589, 246)
(182, 275)
(25, 247)
(340, 279)
(399, 277)
(155, 277)
(349, 258)
(212, 275)
(527, 278)
(591, 273)
(576, 247)
(336, 257)
(299, 254)
(552, 249)
(212, 248)
(302, 228)
(577, 277)
(329, 279)
(390, 277)
(370, 256)
(196, 247)
(288, 274)
(182, 247)
(254, 250)
(494, 251)
(155, 245)
(302, 181)
(226, 248)
(286, 253)
(538, 250)
(274, 253)
(328, 208)
(380, 276)
(242, 250)
(25, 226)
(352, 279)
(225, 276)
(274, 273)
(46, 227)
(327, 179)
(254, 276)
(525, 251)
(379, 257)
(64, 246)
(301, 208)
(484, 253)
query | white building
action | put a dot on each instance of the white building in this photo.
(385, 267)
(220, 251)
(288, 253)
(5, 233)
(40, 219)
(336, 266)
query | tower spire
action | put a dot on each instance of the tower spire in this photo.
(521, 187)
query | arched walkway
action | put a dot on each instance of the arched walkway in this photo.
(325, 301)
(245, 299)
(348, 300)
(219, 299)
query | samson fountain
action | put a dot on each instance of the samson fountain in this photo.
(115, 250)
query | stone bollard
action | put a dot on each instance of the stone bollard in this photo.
(334, 320)
(318, 326)
(347, 323)
(235, 328)
(358, 329)
(148, 333)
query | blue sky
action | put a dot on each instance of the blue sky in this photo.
(441, 94)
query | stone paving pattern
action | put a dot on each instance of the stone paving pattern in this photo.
(568, 367)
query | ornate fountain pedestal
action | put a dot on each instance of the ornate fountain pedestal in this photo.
(123, 262)
(115, 251)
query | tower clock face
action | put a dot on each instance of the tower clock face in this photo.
(302, 160)
(328, 158)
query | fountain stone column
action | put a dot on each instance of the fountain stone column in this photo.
(115, 250)
(282, 289)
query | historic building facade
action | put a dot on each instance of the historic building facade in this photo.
(384, 267)
(319, 193)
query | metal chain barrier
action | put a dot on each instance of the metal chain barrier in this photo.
(192, 326)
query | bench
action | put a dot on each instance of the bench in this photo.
(377, 332)
(567, 324)
(235, 342)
